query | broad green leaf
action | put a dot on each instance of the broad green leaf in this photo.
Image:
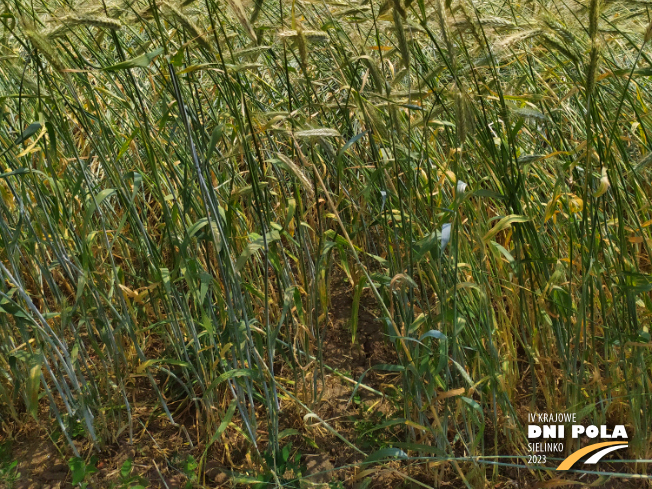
(193, 230)
(473, 404)
(257, 242)
(350, 143)
(231, 374)
(125, 470)
(433, 333)
(177, 59)
(288, 432)
(425, 246)
(501, 249)
(32, 129)
(95, 203)
(141, 61)
(504, 223)
(385, 453)
(19, 171)
(77, 466)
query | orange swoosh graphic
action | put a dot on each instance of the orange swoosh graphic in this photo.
(574, 457)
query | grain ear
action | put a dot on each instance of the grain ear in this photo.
(400, 33)
(188, 24)
(239, 12)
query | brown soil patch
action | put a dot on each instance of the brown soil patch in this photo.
(372, 345)
(153, 456)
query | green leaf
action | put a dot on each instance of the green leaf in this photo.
(192, 230)
(19, 171)
(91, 466)
(639, 72)
(464, 373)
(78, 469)
(177, 59)
(388, 367)
(126, 144)
(27, 133)
(256, 244)
(526, 159)
(285, 453)
(165, 361)
(386, 453)
(350, 143)
(141, 61)
(472, 403)
(483, 192)
(125, 470)
(32, 129)
(433, 333)
(226, 420)
(231, 374)
(223, 425)
(425, 245)
(94, 204)
(504, 223)
(386, 424)
(215, 137)
(502, 250)
(436, 122)
(33, 383)
(288, 432)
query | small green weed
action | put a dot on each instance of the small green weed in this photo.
(188, 466)
(81, 470)
(368, 428)
(286, 469)
(129, 480)
(8, 468)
